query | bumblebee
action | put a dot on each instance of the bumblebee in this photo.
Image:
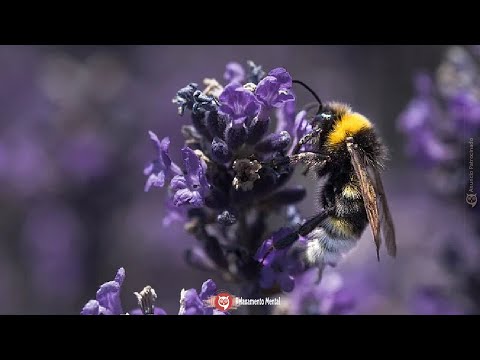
(345, 151)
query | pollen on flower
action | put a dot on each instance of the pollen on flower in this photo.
(250, 86)
(146, 300)
(213, 87)
(246, 174)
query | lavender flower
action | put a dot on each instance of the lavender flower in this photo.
(274, 89)
(238, 103)
(280, 266)
(107, 301)
(191, 188)
(192, 303)
(234, 178)
(162, 168)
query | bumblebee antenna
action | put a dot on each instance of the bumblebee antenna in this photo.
(311, 92)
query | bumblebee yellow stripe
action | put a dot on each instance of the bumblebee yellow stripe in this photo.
(348, 125)
(338, 227)
(351, 192)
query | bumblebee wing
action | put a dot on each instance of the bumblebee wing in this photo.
(386, 223)
(368, 192)
(373, 195)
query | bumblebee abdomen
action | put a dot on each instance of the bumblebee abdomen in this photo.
(323, 248)
(341, 230)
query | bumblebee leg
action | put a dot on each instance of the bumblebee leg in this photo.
(310, 159)
(303, 230)
(308, 137)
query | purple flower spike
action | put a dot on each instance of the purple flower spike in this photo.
(234, 72)
(108, 298)
(191, 188)
(274, 89)
(162, 168)
(238, 103)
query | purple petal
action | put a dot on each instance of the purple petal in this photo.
(155, 180)
(182, 197)
(229, 91)
(266, 89)
(148, 169)
(190, 303)
(196, 199)
(238, 103)
(234, 72)
(282, 76)
(267, 277)
(262, 251)
(155, 140)
(120, 276)
(286, 118)
(191, 160)
(252, 108)
(178, 182)
(108, 296)
(208, 289)
(226, 110)
(91, 308)
(281, 97)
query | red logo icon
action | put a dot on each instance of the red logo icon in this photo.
(222, 301)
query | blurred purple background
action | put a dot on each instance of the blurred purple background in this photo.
(73, 144)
